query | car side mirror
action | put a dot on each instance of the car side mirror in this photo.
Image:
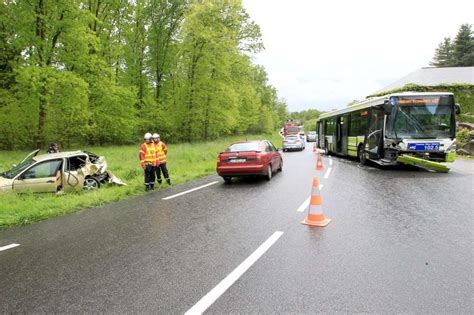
(457, 108)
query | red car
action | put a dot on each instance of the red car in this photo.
(249, 158)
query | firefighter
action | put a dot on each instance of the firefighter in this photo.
(148, 161)
(53, 148)
(161, 151)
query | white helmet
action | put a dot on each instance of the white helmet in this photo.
(155, 135)
(147, 136)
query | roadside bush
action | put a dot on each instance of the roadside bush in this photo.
(463, 136)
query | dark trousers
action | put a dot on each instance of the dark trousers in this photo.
(149, 175)
(161, 168)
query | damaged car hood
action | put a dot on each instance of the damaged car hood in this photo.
(100, 168)
(5, 184)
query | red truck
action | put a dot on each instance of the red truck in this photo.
(291, 128)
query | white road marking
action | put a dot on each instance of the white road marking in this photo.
(228, 281)
(8, 247)
(330, 161)
(191, 190)
(328, 172)
(305, 203)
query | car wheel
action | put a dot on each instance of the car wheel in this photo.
(90, 183)
(361, 155)
(227, 179)
(269, 173)
(280, 169)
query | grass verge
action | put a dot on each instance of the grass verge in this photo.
(185, 162)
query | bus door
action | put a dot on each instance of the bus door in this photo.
(320, 133)
(374, 138)
(342, 134)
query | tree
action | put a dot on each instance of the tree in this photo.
(444, 54)
(464, 46)
(459, 53)
(165, 20)
(212, 34)
(101, 72)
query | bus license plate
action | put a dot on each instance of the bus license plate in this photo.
(424, 146)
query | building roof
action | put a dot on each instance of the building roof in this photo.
(430, 76)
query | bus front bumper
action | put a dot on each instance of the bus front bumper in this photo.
(423, 163)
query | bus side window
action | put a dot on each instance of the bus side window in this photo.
(363, 122)
(354, 126)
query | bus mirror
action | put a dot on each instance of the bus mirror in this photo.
(457, 108)
(387, 108)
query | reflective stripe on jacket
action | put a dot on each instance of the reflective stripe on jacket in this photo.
(148, 154)
(161, 150)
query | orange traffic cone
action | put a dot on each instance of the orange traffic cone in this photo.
(315, 212)
(319, 162)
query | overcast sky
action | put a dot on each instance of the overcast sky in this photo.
(324, 54)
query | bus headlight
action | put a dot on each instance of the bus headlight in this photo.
(452, 148)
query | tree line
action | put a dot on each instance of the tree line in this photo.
(307, 118)
(105, 72)
(458, 52)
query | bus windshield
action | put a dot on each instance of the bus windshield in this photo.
(420, 120)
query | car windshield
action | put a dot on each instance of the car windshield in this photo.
(18, 168)
(312, 133)
(292, 138)
(245, 146)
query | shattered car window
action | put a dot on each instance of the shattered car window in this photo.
(18, 168)
(76, 162)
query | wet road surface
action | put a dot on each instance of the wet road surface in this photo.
(400, 241)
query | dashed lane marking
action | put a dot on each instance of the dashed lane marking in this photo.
(305, 203)
(191, 190)
(225, 284)
(327, 173)
(330, 161)
(8, 247)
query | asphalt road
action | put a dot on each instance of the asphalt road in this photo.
(401, 240)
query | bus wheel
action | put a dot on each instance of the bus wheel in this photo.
(361, 155)
(326, 148)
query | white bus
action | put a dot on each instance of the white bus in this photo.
(411, 128)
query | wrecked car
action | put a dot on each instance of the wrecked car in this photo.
(58, 173)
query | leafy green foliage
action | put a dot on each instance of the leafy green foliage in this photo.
(307, 118)
(462, 136)
(104, 72)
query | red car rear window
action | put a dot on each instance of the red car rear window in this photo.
(246, 146)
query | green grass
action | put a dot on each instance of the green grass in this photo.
(185, 162)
